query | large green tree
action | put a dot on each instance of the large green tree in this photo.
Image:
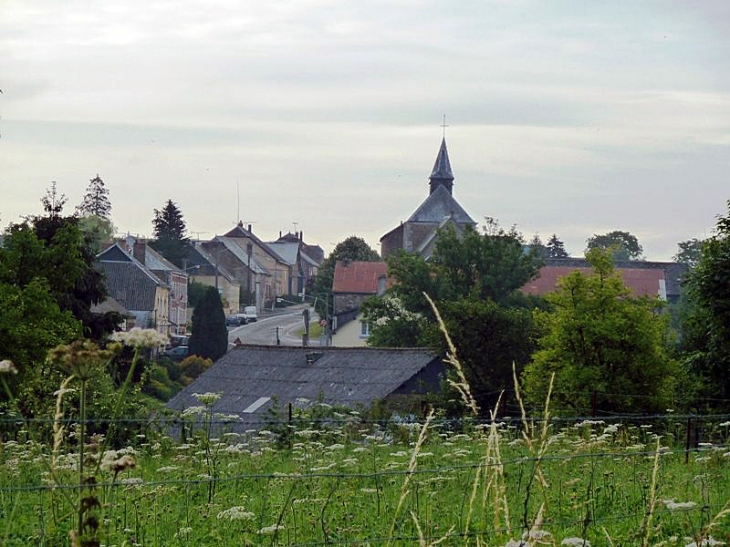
(598, 339)
(170, 233)
(622, 245)
(706, 324)
(52, 247)
(474, 279)
(689, 252)
(209, 337)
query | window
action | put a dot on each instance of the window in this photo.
(364, 329)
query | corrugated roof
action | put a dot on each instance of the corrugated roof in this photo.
(358, 277)
(343, 376)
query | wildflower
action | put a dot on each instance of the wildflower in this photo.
(183, 532)
(8, 366)
(235, 513)
(140, 338)
(578, 542)
(271, 529)
(193, 411)
(709, 542)
(678, 505)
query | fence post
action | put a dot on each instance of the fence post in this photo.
(594, 399)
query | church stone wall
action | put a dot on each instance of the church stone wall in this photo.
(391, 242)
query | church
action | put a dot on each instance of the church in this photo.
(418, 233)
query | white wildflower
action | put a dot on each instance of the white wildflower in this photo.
(208, 399)
(8, 367)
(679, 505)
(235, 513)
(271, 529)
(579, 542)
(709, 542)
(140, 338)
(194, 411)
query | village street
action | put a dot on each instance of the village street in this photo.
(285, 325)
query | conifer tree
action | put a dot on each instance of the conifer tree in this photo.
(555, 248)
(96, 200)
(209, 338)
(169, 230)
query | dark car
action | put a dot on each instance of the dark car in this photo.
(236, 320)
(177, 353)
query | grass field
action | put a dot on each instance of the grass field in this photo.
(353, 483)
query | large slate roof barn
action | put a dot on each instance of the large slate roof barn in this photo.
(252, 379)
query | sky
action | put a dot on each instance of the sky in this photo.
(568, 117)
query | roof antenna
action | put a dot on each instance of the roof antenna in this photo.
(444, 126)
(238, 203)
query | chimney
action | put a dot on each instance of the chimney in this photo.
(249, 229)
(138, 252)
(301, 235)
(279, 234)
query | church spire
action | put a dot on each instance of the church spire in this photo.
(441, 174)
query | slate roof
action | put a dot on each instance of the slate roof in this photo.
(250, 377)
(242, 256)
(442, 166)
(358, 277)
(438, 205)
(198, 256)
(239, 231)
(127, 280)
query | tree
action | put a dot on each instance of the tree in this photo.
(53, 248)
(537, 245)
(623, 245)
(209, 337)
(169, 231)
(352, 248)
(690, 252)
(474, 278)
(96, 200)
(598, 339)
(555, 248)
(31, 323)
(706, 326)
(97, 231)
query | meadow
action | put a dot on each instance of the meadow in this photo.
(344, 480)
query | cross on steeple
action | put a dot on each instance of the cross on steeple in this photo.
(444, 126)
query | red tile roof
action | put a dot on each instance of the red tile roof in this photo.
(358, 277)
(642, 282)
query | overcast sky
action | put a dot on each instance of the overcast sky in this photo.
(568, 117)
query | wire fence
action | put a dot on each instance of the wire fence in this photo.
(340, 481)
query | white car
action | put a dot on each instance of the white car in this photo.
(249, 314)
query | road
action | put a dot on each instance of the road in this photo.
(287, 325)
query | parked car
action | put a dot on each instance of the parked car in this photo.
(177, 353)
(235, 320)
(249, 313)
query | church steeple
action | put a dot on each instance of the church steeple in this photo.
(441, 174)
